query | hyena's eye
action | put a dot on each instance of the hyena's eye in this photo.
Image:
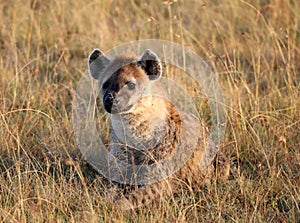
(130, 85)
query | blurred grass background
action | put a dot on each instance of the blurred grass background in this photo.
(254, 48)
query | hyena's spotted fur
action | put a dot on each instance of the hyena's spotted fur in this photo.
(125, 85)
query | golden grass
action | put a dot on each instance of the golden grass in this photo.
(253, 46)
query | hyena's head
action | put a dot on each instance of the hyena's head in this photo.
(123, 80)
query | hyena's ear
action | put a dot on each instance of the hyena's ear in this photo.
(150, 62)
(97, 62)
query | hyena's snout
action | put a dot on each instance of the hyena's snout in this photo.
(114, 102)
(110, 102)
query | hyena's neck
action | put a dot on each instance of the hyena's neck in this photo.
(142, 121)
(152, 121)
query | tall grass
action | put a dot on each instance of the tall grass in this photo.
(253, 46)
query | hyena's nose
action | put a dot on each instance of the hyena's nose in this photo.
(108, 103)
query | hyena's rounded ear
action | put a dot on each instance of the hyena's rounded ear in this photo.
(151, 64)
(97, 62)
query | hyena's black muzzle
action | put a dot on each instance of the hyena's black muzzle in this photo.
(116, 101)
(108, 101)
(111, 99)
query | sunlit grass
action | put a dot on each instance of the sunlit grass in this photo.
(253, 47)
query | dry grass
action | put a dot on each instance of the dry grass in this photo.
(253, 46)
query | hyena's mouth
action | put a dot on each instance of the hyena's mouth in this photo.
(115, 109)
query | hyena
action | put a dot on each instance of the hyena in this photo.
(145, 128)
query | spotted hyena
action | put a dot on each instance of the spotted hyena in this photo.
(146, 129)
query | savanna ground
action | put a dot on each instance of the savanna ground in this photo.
(253, 47)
